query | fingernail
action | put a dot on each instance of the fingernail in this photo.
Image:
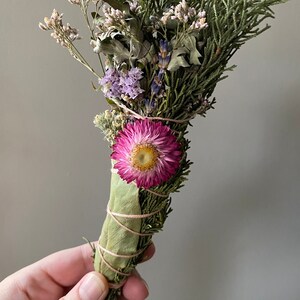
(92, 288)
(144, 258)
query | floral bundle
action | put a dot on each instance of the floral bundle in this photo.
(162, 61)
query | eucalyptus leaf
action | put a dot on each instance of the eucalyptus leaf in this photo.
(115, 48)
(190, 43)
(147, 53)
(178, 60)
(109, 34)
(124, 199)
(135, 48)
(135, 29)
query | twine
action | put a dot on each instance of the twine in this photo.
(157, 194)
(101, 249)
(132, 216)
(114, 217)
(109, 265)
(178, 121)
(138, 116)
(111, 284)
(120, 255)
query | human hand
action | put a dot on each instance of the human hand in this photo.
(68, 275)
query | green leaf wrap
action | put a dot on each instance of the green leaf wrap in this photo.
(124, 199)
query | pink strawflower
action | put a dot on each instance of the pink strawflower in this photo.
(146, 152)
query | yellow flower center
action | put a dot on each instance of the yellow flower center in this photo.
(144, 157)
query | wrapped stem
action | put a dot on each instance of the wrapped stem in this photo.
(134, 215)
(124, 199)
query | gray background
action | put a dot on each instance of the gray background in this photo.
(235, 230)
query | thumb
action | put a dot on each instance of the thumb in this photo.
(93, 286)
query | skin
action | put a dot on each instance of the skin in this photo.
(61, 276)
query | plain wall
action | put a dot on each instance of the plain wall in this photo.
(235, 230)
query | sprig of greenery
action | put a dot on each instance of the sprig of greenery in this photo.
(230, 24)
(89, 19)
(199, 59)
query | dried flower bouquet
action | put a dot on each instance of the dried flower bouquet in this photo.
(163, 59)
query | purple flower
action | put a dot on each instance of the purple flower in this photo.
(157, 82)
(135, 74)
(164, 56)
(132, 90)
(130, 84)
(150, 106)
(116, 84)
(111, 84)
(146, 152)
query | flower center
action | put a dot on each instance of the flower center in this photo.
(144, 157)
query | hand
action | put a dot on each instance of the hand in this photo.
(68, 275)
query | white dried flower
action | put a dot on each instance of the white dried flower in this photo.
(63, 34)
(71, 32)
(134, 6)
(97, 120)
(54, 21)
(167, 15)
(200, 23)
(96, 45)
(201, 14)
(185, 14)
(43, 26)
(76, 2)
(110, 122)
(58, 39)
(113, 17)
(113, 23)
(180, 12)
(184, 5)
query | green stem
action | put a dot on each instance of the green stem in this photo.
(84, 9)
